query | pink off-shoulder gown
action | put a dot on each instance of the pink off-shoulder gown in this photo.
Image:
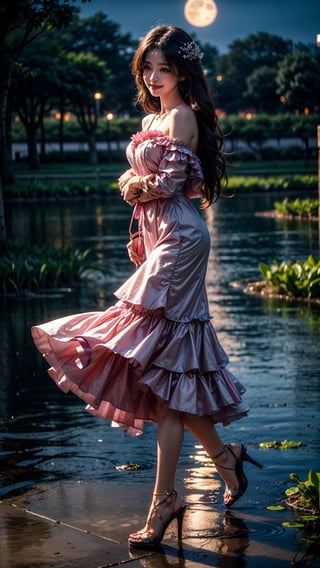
(157, 342)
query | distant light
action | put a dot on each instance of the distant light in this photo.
(66, 116)
(219, 78)
(98, 96)
(318, 40)
(109, 116)
(200, 13)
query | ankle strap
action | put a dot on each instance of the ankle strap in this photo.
(166, 493)
(224, 448)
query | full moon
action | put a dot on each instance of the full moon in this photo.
(200, 13)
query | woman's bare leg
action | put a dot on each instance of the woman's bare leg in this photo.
(170, 438)
(203, 430)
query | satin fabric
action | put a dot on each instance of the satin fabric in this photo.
(157, 343)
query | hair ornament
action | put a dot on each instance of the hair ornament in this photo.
(190, 51)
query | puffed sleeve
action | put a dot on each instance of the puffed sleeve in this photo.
(178, 172)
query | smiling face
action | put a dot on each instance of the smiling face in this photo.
(158, 77)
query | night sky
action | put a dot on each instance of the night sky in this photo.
(291, 19)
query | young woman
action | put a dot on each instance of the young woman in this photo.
(154, 355)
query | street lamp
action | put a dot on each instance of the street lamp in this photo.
(108, 117)
(97, 97)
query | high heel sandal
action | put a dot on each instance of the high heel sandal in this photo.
(149, 541)
(235, 494)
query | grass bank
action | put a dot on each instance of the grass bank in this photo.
(265, 167)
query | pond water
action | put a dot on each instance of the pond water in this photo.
(273, 346)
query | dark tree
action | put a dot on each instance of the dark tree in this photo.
(298, 81)
(243, 57)
(101, 37)
(261, 89)
(21, 21)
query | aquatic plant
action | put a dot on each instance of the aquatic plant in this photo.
(34, 268)
(304, 498)
(306, 494)
(296, 278)
(298, 207)
(283, 445)
(263, 183)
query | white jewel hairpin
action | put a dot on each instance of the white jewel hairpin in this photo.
(190, 51)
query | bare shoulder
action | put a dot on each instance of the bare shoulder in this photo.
(183, 125)
(183, 112)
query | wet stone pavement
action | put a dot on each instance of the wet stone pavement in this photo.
(85, 525)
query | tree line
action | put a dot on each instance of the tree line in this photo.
(247, 136)
(76, 60)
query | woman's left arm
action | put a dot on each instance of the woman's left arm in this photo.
(169, 180)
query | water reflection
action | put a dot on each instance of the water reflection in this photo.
(28, 528)
(224, 546)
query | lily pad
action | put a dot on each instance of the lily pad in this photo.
(129, 467)
(275, 508)
(283, 445)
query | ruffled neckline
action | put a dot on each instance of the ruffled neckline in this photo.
(162, 138)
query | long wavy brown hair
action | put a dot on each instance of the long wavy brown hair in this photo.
(195, 92)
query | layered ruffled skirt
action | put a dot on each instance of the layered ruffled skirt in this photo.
(123, 361)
